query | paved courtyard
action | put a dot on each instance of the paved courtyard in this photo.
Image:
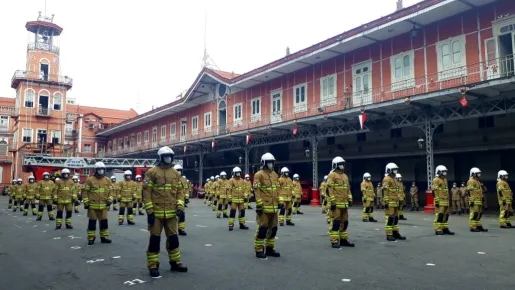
(33, 255)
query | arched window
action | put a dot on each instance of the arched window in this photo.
(28, 98)
(3, 147)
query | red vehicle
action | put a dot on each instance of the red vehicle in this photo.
(306, 191)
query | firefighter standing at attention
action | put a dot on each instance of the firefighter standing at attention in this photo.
(391, 203)
(402, 196)
(215, 193)
(464, 198)
(475, 201)
(29, 194)
(441, 192)
(206, 192)
(189, 192)
(297, 194)
(222, 195)
(340, 198)
(138, 205)
(505, 197)
(285, 191)
(162, 196)
(248, 191)
(323, 194)
(267, 205)
(77, 189)
(65, 197)
(184, 185)
(116, 190)
(126, 196)
(98, 196)
(413, 191)
(18, 195)
(485, 197)
(45, 195)
(10, 192)
(367, 191)
(456, 199)
(236, 198)
(379, 196)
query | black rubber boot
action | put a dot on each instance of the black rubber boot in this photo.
(243, 227)
(448, 232)
(505, 227)
(91, 242)
(365, 220)
(154, 273)
(453, 212)
(131, 223)
(290, 223)
(390, 238)
(52, 218)
(58, 227)
(260, 255)
(509, 225)
(439, 233)
(105, 240)
(459, 212)
(39, 218)
(270, 252)
(182, 233)
(475, 230)
(231, 228)
(225, 216)
(120, 223)
(346, 243)
(372, 220)
(324, 212)
(178, 267)
(299, 212)
(481, 229)
(249, 207)
(281, 224)
(402, 218)
(412, 209)
(69, 227)
(398, 236)
(25, 214)
(335, 245)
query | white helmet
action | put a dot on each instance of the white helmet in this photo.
(474, 171)
(502, 174)
(441, 170)
(338, 163)
(325, 177)
(247, 176)
(46, 175)
(57, 179)
(295, 176)
(31, 179)
(138, 177)
(212, 178)
(165, 155)
(285, 171)
(19, 180)
(187, 180)
(367, 176)
(65, 173)
(236, 171)
(391, 168)
(207, 180)
(223, 174)
(75, 177)
(127, 174)
(177, 167)
(217, 176)
(113, 178)
(268, 160)
(398, 176)
(100, 169)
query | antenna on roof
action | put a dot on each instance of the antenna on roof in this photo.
(207, 61)
(400, 6)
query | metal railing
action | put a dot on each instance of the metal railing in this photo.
(37, 76)
(8, 110)
(43, 46)
(452, 78)
(42, 111)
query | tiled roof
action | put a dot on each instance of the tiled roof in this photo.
(224, 74)
(109, 116)
(7, 101)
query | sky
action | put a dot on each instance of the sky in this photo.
(142, 54)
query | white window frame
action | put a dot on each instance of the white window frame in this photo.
(57, 96)
(362, 97)
(154, 135)
(59, 136)
(299, 107)
(328, 99)
(6, 126)
(173, 130)
(120, 143)
(208, 121)
(454, 69)
(163, 132)
(238, 120)
(276, 116)
(31, 135)
(68, 127)
(182, 137)
(146, 136)
(255, 116)
(87, 150)
(406, 79)
(139, 137)
(126, 142)
(194, 129)
(32, 93)
(114, 144)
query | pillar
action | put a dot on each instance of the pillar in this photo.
(429, 129)
(247, 160)
(315, 201)
(201, 169)
(79, 144)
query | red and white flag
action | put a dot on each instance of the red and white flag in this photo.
(463, 101)
(294, 131)
(213, 143)
(362, 120)
(248, 139)
(185, 148)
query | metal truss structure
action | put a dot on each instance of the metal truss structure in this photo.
(79, 162)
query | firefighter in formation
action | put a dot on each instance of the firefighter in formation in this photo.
(413, 191)
(222, 185)
(138, 204)
(391, 188)
(116, 189)
(441, 201)
(10, 193)
(17, 195)
(184, 186)
(29, 195)
(44, 193)
(475, 192)
(236, 191)
(286, 194)
(367, 191)
(214, 192)
(98, 196)
(248, 191)
(402, 196)
(77, 188)
(164, 203)
(126, 196)
(65, 197)
(323, 195)
(456, 199)
(297, 194)
(505, 198)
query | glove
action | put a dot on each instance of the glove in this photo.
(218, 196)
(259, 211)
(133, 198)
(108, 203)
(86, 206)
(504, 202)
(180, 212)
(471, 203)
(437, 205)
(386, 206)
(229, 202)
(151, 219)
(333, 207)
(54, 202)
(280, 206)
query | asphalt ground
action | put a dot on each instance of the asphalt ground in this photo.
(33, 255)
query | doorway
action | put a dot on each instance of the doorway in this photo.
(43, 105)
(222, 117)
(43, 71)
(506, 54)
(42, 136)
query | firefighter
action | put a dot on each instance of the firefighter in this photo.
(379, 196)
(18, 195)
(116, 192)
(222, 195)
(215, 192)
(505, 197)
(464, 198)
(391, 203)
(65, 197)
(323, 194)
(285, 191)
(189, 192)
(413, 191)
(441, 201)
(329, 214)
(127, 189)
(162, 196)
(248, 191)
(10, 192)
(77, 188)
(267, 205)
(340, 198)
(402, 196)
(456, 196)
(297, 194)
(29, 194)
(184, 186)
(485, 197)
(44, 194)
(475, 201)
(367, 191)
(138, 205)
(236, 198)
(98, 196)
(207, 193)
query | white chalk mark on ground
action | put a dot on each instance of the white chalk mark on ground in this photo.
(75, 247)
(143, 230)
(430, 264)
(345, 280)
(17, 226)
(201, 226)
(208, 245)
(35, 226)
(481, 253)
(57, 238)
(376, 229)
(117, 257)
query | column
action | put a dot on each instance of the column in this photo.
(79, 144)
(315, 201)
(429, 129)
(247, 162)
(201, 168)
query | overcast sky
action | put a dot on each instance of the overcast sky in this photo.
(117, 50)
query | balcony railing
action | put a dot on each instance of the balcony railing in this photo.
(33, 76)
(8, 110)
(43, 46)
(499, 68)
(45, 112)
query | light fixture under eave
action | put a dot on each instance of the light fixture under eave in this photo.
(414, 31)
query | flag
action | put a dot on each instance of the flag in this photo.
(294, 131)
(213, 143)
(463, 101)
(185, 148)
(362, 120)
(248, 139)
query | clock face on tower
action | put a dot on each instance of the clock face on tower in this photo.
(222, 90)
